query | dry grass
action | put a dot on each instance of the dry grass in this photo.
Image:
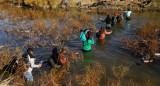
(148, 41)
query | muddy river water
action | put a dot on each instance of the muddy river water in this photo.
(111, 52)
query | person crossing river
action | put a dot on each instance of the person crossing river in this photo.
(108, 21)
(87, 40)
(100, 34)
(128, 14)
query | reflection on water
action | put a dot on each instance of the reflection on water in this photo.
(88, 57)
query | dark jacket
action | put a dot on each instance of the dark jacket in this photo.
(55, 58)
(108, 20)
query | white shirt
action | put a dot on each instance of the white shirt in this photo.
(33, 65)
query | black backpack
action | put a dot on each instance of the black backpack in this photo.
(98, 35)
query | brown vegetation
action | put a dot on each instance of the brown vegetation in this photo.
(148, 42)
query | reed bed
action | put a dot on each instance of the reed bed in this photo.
(147, 43)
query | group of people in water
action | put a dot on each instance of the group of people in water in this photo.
(58, 57)
(100, 34)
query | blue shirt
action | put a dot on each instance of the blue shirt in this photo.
(128, 13)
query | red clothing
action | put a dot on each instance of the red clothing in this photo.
(120, 22)
(103, 34)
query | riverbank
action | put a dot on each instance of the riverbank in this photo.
(42, 29)
(91, 6)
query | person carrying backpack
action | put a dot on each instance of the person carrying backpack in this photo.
(30, 64)
(57, 59)
(100, 34)
(87, 44)
(83, 35)
(114, 19)
(120, 18)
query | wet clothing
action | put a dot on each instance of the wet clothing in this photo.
(103, 34)
(128, 13)
(108, 26)
(87, 44)
(83, 36)
(128, 18)
(28, 76)
(108, 20)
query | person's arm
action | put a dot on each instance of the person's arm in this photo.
(91, 41)
(86, 31)
(33, 65)
(97, 31)
(104, 20)
(108, 32)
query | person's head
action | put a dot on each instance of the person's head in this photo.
(55, 50)
(102, 29)
(30, 50)
(128, 9)
(108, 16)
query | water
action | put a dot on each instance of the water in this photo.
(110, 51)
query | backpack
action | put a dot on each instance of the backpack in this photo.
(119, 18)
(88, 34)
(98, 35)
(84, 37)
(62, 58)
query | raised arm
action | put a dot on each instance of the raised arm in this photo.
(33, 65)
(104, 20)
(108, 32)
(97, 31)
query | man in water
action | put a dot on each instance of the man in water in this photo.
(31, 61)
(128, 14)
(108, 21)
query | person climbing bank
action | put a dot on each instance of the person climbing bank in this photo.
(31, 64)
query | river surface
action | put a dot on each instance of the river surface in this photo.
(110, 51)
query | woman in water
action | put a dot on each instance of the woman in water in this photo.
(101, 33)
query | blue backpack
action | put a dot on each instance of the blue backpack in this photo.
(83, 36)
